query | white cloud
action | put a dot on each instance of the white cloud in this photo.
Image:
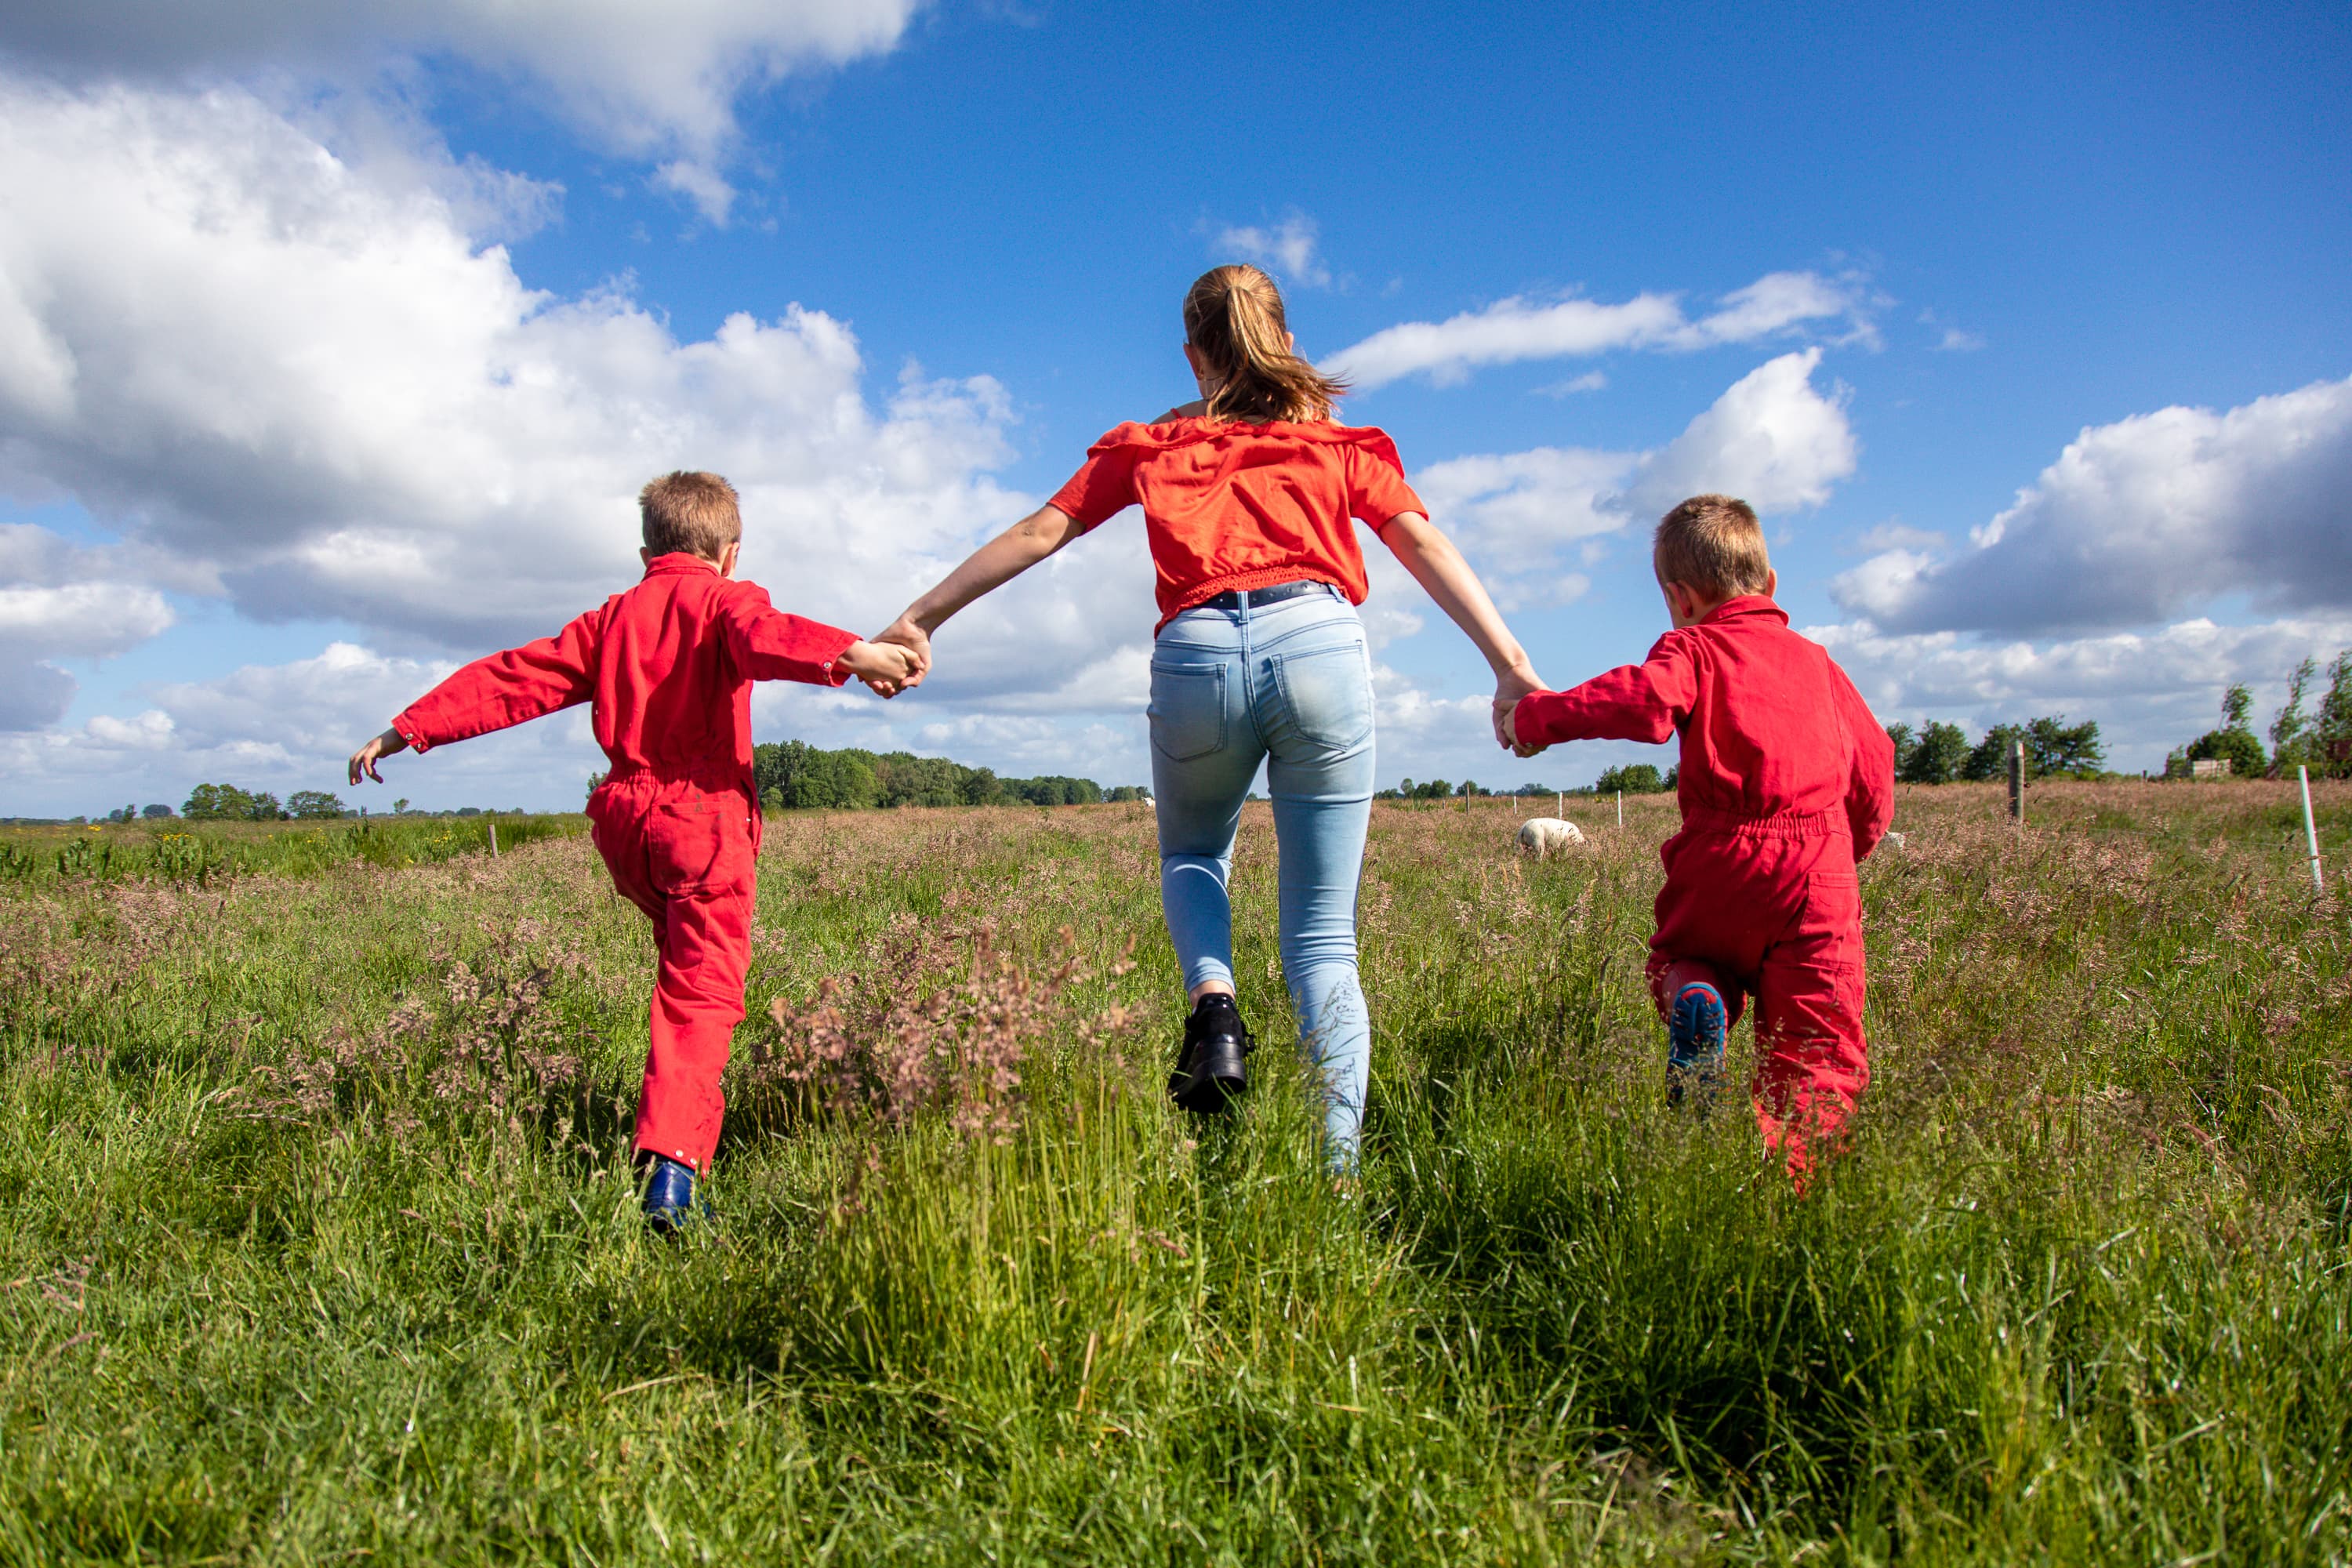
(655, 81)
(59, 600)
(293, 383)
(320, 392)
(1772, 439)
(2151, 691)
(1287, 249)
(1950, 339)
(1590, 381)
(1519, 329)
(2140, 520)
(699, 183)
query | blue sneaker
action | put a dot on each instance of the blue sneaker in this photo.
(670, 1198)
(1694, 1031)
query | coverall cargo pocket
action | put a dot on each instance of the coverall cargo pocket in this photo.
(1834, 908)
(695, 846)
(1188, 711)
(1329, 693)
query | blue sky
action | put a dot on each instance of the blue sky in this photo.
(339, 340)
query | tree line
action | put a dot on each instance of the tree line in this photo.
(796, 776)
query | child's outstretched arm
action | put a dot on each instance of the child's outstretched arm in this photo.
(494, 693)
(985, 570)
(1646, 702)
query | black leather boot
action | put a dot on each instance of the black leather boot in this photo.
(1211, 1064)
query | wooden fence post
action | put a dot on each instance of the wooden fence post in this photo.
(1621, 808)
(494, 840)
(2017, 780)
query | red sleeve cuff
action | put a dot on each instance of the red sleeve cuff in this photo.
(1519, 713)
(409, 730)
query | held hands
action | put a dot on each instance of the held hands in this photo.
(387, 744)
(905, 636)
(1519, 680)
(887, 667)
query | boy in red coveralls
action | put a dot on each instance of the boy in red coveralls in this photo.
(669, 666)
(1787, 784)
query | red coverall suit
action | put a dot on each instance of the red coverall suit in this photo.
(669, 666)
(1787, 782)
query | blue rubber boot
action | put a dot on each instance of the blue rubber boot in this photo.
(670, 1198)
(1694, 1031)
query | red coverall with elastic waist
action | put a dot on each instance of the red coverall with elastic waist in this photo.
(1787, 784)
(669, 666)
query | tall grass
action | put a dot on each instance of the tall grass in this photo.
(322, 1240)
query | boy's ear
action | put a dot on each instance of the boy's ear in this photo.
(726, 559)
(1771, 583)
(645, 556)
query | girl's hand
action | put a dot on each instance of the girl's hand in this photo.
(364, 760)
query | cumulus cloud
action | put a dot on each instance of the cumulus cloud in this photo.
(1517, 328)
(2143, 518)
(650, 80)
(1287, 249)
(1772, 437)
(2151, 691)
(249, 357)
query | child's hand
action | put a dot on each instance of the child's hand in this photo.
(364, 760)
(888, 668)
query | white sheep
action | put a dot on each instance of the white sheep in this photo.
(1545, 833)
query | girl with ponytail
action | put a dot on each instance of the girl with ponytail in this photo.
(1248, 496)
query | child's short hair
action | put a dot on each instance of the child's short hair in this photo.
(1713, 544)
(690, 512)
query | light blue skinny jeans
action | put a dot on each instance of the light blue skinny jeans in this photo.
(1290, 683)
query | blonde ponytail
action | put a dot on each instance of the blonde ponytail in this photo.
(1233, 316)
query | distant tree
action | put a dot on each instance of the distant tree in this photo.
(1989, 758)
(2291, 729)
(313, 805)
(2233, 742)
(596, 783)
(1906, 746)
(1535, 789)
(264, 807)
(1126, 792)
(470, 810)
(1937, 757)
(2054, 749)
(218, 803)
(156, 811)
(1466, 788)
(2331, 740)
(1634, 778)
(400, 806)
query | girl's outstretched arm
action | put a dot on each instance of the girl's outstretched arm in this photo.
(1439, 568)
(985, 570)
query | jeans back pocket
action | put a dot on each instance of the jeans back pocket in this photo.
(1188, 710)
(1329, 691)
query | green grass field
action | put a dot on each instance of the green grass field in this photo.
(320, 1245)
